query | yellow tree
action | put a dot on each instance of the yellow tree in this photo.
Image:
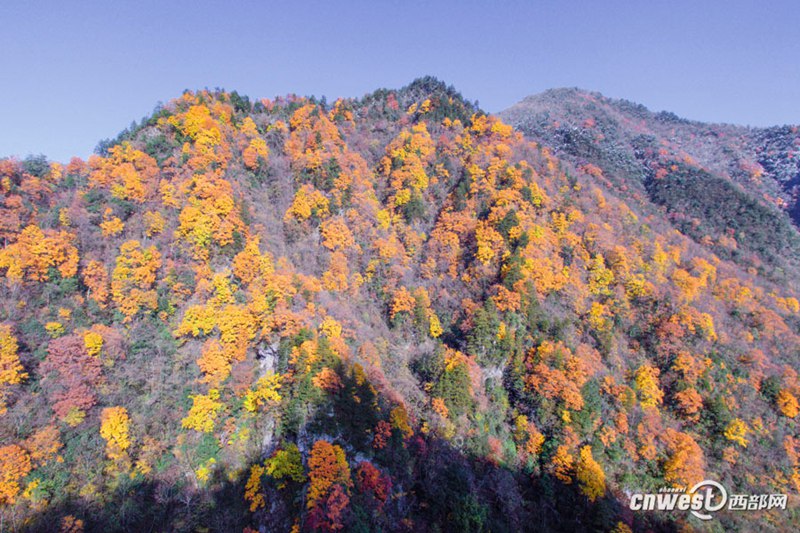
(563, 464)
(114, 428)
(264, 393)
(210, 214)
(93, 342)
(111, 225)
(308, 202)
(11, 370)
(488, 241)
(36, 250)
(336, 235)
(133, 278)
(737, 431)
(15, 464)
(255, 154)
(787, 403)
(685, 464)
(646, 379)
(398, 417)
(154, 223)
(204, 411)
(250, 264)
(591, 478)
(214, 363)
(129, 173)
(252, 489)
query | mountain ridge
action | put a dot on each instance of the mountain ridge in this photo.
(559, 94)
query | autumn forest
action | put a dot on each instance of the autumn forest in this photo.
(398, 313)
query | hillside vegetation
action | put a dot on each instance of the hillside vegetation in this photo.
(748, 177)
(392, 313)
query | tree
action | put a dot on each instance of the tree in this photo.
(11, 370)
(265, 393)
(36, 250)
(328, 514)
(690, 367)
(203, 413)
(600, 277)
(327, 467)
(336, 235)
(93, 342)
(73, 392)
(373, 484)
(255, 154)
(95, 277)
(308, 202)
(111, 225)
(15, 464)
(335, 279)
(685, 465)
(197, 320)
(250, 264)
(787, 403)
(327, 380)
(405, 164)
(214, 363)
(563, 382)
(398, 418)
(590, 475)
(455, 385)
(563, 464)
(487, 239)
(129, 173)
(402, 302)
(210, 215)
(134, 277)
(646, 379)
(737, 431)
(114, 428)
(237, 327)
(70, 524)
(689, 403)
(381, 434)
(286, 465)
(528, 437)
(252, 489)
(154, 223)
(43, 445)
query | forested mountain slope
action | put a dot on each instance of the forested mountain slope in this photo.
(392, 313)
(723, 185)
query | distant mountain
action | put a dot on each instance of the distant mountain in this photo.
(717, 181)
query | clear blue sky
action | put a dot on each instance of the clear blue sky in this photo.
(75, 71)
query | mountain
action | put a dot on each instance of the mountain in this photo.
(389, 313)
(721, 184)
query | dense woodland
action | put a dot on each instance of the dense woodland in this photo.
(392, 313)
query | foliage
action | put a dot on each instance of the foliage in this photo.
(389, 313)
(590, 475)
(114, 428)
(11, 370)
